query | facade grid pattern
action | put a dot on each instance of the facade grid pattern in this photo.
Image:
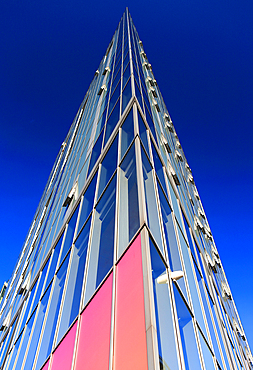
(119, 268)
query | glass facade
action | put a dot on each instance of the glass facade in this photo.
(119, 269)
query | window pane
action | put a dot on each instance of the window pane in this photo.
(49, 330)
(164, 324)
(126, 95)
(189, 344)
(37, 330)
(112, 122)
(158, 167)
(75, 281)
(88, 201)
(129, 207)
(101, 256)
(152, 213)
(69, 235)
(95, 152)
(143, 132)
(127, 133)
(208, 358)
(170, 237)
(108, 166)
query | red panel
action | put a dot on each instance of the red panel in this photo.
(62, 357)
(130, 349)
(94, 339)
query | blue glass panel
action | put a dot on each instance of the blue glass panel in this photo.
(112, 121)
(138, 94)
(75, 281)
(189, 236)
(101, 255)
(125, 62)
(192, 283)
(88, 201)
(129, 221)
(37, 330)
(114, 98)
(69, 235)
(151, 125)
(127, 133)
(126, 95)
(158, 167)
(52, 317)
(143, 132)
(95, 152)
(208, 317)
(152, 210)
(164, 323)
(126, 75)
(6, 342)
(39, 291)
(108, 166)
(170, 237)
(26, 337)
(54, 259)
(189, 344)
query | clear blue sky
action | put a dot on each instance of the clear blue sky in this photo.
(202, 58)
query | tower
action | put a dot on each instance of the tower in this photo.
(119, 269)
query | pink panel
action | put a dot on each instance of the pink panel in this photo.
(45, 367)
(94, 339)
(130, 349)
(62, 357)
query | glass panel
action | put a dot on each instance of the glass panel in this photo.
(164, 323)
(170, 237)
(127, 133)
(6, 342)
(36, 331)
(192, 285)
(52, 316)
(54, 259)
(40, 286)
(188, 339)
(88, 201)
(126, 75)
(25, 339)
(158, 167)
(208, 358)
(126, 95)
(95, 152)
(152, 211)
(143, 132)
(129, 208)
(112, 121)
(108, 166)
(75, 281)
(101, 256)
(114, 98)
(175, 204)
(69, 235)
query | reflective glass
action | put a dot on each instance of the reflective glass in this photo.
(143, 132)
(208, 358)
(112, 121)
(108, 166)
(171, 242)
(158, 167)
(40, 286)
(129, 208)
(24, 343)
(6, 342)
(101, 255)
(114, 98)
(126, 95)
(95, 152)
(69, 235)
(52, 316)
(152, 211)
(126, 75)
(188, 340)
(127, 133)
(164, 323)
(75, 281)
(88, 201)
(191, 280)
(41, 310)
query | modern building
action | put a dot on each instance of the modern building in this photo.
(119, 269)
